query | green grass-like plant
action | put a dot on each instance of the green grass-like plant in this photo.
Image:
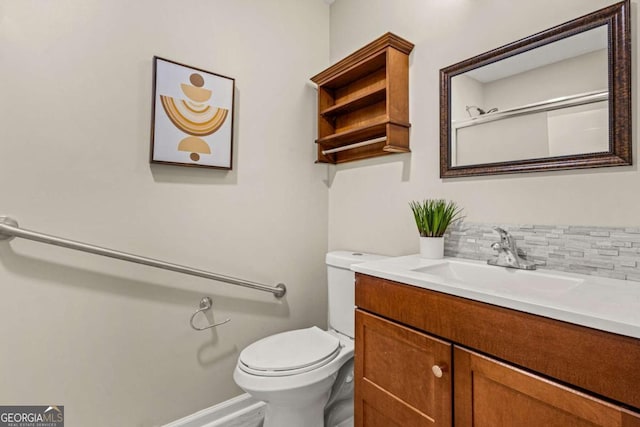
(433, 216)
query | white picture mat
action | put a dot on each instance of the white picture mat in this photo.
(167, 136)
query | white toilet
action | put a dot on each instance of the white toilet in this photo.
(301, 373)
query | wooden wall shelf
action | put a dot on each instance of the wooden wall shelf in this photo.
(365, 97)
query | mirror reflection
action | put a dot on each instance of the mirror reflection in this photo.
(546, 102)
(558, 99)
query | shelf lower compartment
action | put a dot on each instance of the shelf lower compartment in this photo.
(385, 137)
(360, 133)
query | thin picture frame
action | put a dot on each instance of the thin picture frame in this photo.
(192, 116)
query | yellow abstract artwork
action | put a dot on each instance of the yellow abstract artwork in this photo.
(192, 116)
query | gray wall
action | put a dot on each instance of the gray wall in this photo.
(368, 200)
(110, 340)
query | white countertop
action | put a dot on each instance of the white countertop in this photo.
(601, 303)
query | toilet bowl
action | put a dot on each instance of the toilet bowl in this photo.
(295, 372)
(297, 385)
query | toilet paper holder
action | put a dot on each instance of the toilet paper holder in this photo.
(205, 304)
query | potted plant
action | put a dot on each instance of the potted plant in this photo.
(433, 216)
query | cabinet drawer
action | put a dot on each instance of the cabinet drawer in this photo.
(493, 394)
(395, 383)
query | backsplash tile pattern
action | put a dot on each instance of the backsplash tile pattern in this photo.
(600, 251)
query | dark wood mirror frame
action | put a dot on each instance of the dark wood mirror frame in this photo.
(617, 19)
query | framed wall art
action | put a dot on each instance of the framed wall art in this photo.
(192, 116)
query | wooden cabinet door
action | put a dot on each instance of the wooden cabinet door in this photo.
(395, 381)
(489, 393)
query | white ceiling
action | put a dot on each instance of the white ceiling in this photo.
(569, 47)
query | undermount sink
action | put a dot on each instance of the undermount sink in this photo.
(500, 280)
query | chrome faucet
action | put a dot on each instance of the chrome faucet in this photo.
(508, 253)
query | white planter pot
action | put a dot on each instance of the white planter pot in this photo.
(432, 247)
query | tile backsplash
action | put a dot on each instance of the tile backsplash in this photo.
(600, 251)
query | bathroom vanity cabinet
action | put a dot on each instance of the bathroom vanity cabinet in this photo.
(363, 103)
(425, 358)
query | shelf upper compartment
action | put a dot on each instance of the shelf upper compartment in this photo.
(360, 62)
(375, 94)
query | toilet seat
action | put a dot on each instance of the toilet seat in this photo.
(290, 353)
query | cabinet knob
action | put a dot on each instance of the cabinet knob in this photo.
(438, 370)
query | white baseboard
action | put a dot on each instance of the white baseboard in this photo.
(240, 411)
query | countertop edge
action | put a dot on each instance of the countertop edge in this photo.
(608, 325)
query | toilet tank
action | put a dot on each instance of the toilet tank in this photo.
(342, 290)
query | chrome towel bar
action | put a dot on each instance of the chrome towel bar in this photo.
(9, 229)
(356, 145)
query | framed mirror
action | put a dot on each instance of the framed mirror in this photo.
(559, 99)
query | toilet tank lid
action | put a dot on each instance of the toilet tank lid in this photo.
(345, 259)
